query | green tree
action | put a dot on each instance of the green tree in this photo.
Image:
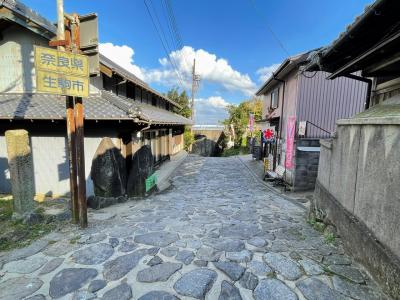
(183, 100)
(239, 117)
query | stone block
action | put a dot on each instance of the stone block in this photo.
(21, 171)
(108, 170)
(141, 168)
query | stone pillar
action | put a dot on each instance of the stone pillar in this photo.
(21, 171)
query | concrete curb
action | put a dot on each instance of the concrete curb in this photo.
(273, 190)
(165, 171)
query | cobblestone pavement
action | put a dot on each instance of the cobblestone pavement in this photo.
(216, 234)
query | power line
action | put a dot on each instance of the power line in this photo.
(176, 36)
(173, 22)
(170, 58)
(262, 16)
(160, 36)
(169, 24)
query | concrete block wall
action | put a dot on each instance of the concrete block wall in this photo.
(361, 169)
(358, 191)
(306, 165)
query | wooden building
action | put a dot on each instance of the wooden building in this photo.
(120, 106)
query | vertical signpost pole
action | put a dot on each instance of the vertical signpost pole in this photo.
(70, 124)
(80, 150)
(71, 133)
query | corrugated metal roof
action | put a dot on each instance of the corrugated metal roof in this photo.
(102, 106)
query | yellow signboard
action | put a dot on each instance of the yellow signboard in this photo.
(62, 73)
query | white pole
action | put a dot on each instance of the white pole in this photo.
(60, 22)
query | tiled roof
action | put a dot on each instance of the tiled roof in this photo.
(21, 9)
(377, 23)
(102, 106)
(144, 111)
(131, 77)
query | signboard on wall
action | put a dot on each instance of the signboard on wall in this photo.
(290, 130)
(151, 182)
(61, 73)
(302, 127)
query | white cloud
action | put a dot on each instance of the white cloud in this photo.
(265, 73)
(211, 110)
(210, 68)
(123, 56)
(214, 101)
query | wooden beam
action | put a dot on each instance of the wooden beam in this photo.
(347, 67)
(106, 70)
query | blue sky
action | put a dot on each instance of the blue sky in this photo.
(233, 47)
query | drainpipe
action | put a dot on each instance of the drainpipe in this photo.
(369, 88)
(281, 117)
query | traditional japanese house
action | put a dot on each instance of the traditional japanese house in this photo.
(302, 107)
(120, 106)
(357, 188)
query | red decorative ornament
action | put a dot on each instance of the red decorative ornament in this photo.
(269, 134)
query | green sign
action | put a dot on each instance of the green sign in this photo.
(151, 182)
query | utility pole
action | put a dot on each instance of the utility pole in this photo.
(195, 85)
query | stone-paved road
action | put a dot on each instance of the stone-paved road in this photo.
(217, 234)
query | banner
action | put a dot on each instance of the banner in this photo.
(290, 130)
(251, 122)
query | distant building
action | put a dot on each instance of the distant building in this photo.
(120, 106)
(359, 171)
(292, 97)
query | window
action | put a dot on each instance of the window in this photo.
(275, 98)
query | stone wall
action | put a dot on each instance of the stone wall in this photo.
(358, 177)
(204, 147)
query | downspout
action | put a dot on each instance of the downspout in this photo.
(283, 103)
(147, 127)
(369, 88)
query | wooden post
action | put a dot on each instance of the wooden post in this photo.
(80, 149)
(80, 135)
(72, 159)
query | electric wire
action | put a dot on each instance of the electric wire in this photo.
(171, 59)
(160, 36)
(175, 33)
(269, 28)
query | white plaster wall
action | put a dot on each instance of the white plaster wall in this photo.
(16, 59)
(5, 186)
(50, 163)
